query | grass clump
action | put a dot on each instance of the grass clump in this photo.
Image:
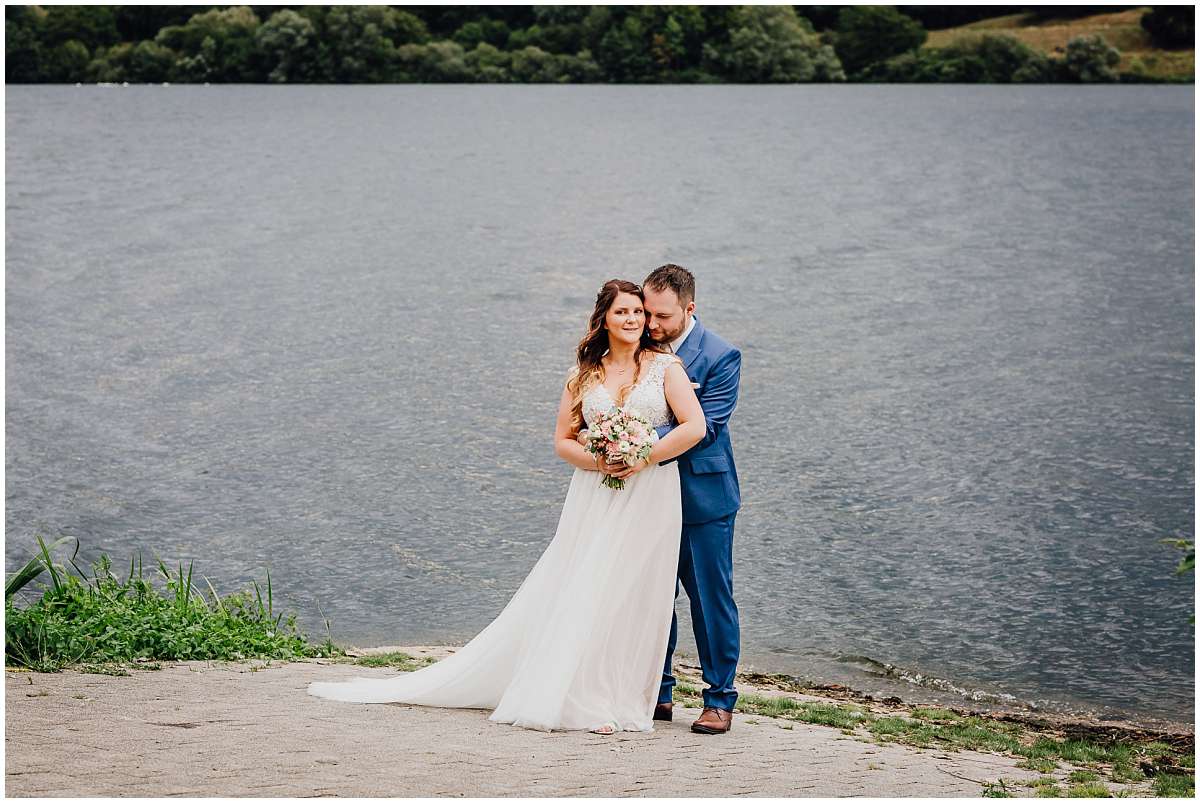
(1092, 789)
(400, 660)
(1038, 764)
(1078, 751)
(1172, 784)
(846, 717)
(975, 733)
(1127, 773)
(902, 729)
(998, 789)
(935, 714)
(958, 732)
(104, 623)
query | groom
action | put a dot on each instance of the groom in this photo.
(710, 493)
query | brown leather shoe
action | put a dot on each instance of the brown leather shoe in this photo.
(663, 711)
(713, 720)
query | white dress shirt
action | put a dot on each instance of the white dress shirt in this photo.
(677, 342)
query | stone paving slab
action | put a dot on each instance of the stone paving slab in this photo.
(235, 729)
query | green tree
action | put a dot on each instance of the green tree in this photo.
(560, 38)
(667, 46)
(361, 41)
(532, 65)
(135, 23)
(869, 34)
(693, 27)
(581, 68)
(91, 26)
(773, 44)
(287, 44)
(110, 64)
(489, 64)
(492, 32)
(1007, 59)
(557, 29)
(594, 26)
(217, 45)
(55, 44)
(672, 36)
(545, 43)
(559, 15)
(66, 63)
(443, 21)
(623, 51)
(1090, 59)
(436, 62)
(22, 44)
(150, 62)
(991, 58)
(203, 64)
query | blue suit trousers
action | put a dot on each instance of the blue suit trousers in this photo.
(706, 573)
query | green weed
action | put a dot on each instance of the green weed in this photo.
(103, 622)
(1092, 789)
(400, 660)
(998, 789)
(1171, 784)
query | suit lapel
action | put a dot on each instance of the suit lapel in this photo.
(690, 350)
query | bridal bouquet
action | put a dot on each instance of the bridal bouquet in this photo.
(621, 436)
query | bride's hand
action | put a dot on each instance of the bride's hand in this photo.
(611, 469)
(628, 471)
(602, 465)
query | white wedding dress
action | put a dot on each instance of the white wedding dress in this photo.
(582, 641)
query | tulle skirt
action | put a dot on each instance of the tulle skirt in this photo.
(583, 640)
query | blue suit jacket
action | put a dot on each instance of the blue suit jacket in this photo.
(707, 475)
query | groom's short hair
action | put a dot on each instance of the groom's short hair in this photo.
(673, 277)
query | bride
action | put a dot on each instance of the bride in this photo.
(581, 643)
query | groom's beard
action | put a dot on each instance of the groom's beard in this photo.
(663, 336)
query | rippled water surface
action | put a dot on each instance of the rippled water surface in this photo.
(324, 329)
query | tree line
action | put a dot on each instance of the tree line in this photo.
(544, 44)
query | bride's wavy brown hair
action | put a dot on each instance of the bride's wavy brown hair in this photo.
(588, 371)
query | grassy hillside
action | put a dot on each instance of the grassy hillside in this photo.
(1122, 30)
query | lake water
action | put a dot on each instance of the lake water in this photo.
(324, 330)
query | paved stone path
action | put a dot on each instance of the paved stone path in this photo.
(202, 728)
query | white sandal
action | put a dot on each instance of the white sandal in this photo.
(607, 729)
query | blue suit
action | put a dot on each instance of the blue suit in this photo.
(711, 498)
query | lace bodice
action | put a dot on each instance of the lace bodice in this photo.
(647, 397)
